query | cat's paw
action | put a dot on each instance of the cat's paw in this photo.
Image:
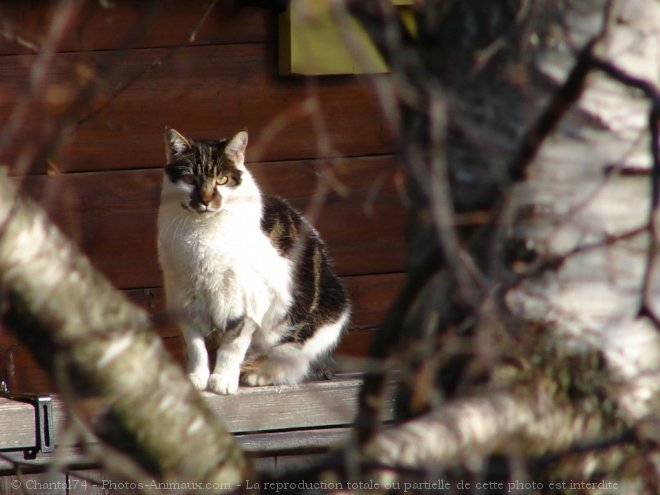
(225, 382)
(199, 382)
(285, 365)
(271, 372)
(258, 379)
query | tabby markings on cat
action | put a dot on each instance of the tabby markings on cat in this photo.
(243, 268)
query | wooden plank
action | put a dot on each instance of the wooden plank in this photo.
(112, 215)
(290, 462)
(17, 425)
(370, 297)
(22, 373)
(253, 410)
(266, 421)
(308, 405)
(259, 409)
(261, 446)
(67, 457)
(204, 91)
(273, 443)
(126, 25)
(278, 442)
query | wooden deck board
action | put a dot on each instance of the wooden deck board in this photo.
(254, 444)
(17, 425)
(309, 405)
(265, 420)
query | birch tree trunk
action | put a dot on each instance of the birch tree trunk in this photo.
(527, 332)
(108, 362)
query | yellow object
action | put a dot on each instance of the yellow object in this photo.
(314, 39)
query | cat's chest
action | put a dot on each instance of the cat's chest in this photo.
(210, 249)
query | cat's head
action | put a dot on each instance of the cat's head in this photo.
(205, 173)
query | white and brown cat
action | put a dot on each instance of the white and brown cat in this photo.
(245, 267)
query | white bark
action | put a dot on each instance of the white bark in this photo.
(581, 198)
(589, 363)
(105, 356)
(504, 423)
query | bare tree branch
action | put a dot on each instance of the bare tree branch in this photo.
(514, 421)
(126, 387)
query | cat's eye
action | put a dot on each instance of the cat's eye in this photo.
(223, 180)
(187, 179)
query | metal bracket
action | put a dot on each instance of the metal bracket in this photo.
(43, 418)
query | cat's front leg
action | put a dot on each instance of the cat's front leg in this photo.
(198, 358)
(225, 376)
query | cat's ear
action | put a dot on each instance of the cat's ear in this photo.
(175, 143)
(236, 146)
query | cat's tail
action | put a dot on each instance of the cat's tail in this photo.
(292, 362)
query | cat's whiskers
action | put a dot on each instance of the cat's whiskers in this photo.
(180, 228)
(169, 226)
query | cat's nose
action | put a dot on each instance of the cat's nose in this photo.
(206, 196)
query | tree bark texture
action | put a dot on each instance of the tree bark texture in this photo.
(106, 359)
(528, 325)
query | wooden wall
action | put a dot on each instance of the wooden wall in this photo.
(138, 71)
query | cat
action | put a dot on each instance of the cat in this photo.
(243, 267)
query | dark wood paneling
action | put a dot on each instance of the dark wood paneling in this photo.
(22, 373)
(370, 296)
(206, 91)
(112, 216)
(133, 25)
